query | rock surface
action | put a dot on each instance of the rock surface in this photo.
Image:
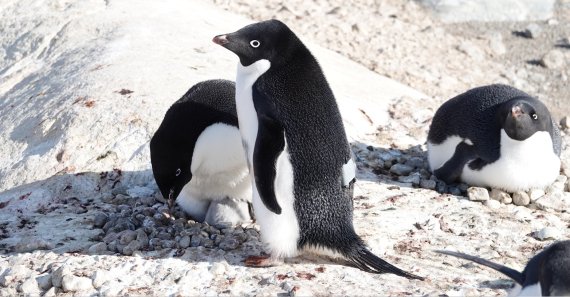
(84, 84)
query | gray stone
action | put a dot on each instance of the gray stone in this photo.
(477, 194)
(554, 59)
(414, 179)
(97, 248)
(133, 246)
(493, 204)
(169, 244)
(532, 31)
(534, 194)
(548, 233)
(30, 287)
(428, 184)
(501, 196)
(44, 281)
(100, 220)
(184, 242)
(564, 123)
(50, 293)
(455, 191)
(30, 244)
(58, 274)
(196, 241)
(127, 236)
(521, 198)
(99, 278)
(554, 202)
(401, 169)
(454, 11)
(229, 243)
(416, 162)
(72, 283)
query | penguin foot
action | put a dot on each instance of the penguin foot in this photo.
(259, 261)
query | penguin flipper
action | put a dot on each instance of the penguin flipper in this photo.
(511, 273)
(451, 171)
(268, 146)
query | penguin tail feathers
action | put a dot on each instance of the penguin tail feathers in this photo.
(362, 258)
(511, 273)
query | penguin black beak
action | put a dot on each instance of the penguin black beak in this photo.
(517, 111)
(220, 39)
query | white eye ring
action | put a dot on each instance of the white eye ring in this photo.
(178, 171)
(535, 116)
(255, 43)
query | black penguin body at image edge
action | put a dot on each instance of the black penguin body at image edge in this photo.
(546, 274)
(297, 114)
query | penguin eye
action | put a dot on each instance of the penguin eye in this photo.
(535, 116)
(255, 43)
(178, 171)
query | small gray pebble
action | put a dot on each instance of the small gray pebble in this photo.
(130, 248)
(547, 233)
(428, 184)
(455, 191)
(148, 201)
(441, 187)
(477, 194)
(414, 179)
(184, 242)
(208, 243)
(100, 220)
(416, 162)
(97, 248)
(463, 187)
(521, 198)
(127, 236)
(401, 169)
(196, 240)
(229, 243)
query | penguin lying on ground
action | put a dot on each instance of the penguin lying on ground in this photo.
(546, 274)
(495, 136)
(197, 156)
(296, 147)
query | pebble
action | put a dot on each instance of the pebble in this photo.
(58, 274)
(493, 204)
(414, 179)
(229, 243)
(428, 184)
(133, 246)
(521, 198)
(558, 185)
(532, 31)
(217, 268)
(184, 242)
(100, 220)
(554, 59)
(401, 169)
(548, 233)
(554, 201)
(501, 196)
(50, 293)
(534, 194)
(44, 281)
(496, 43)
(477, 194)
(30, 244)
(97, 248)
(30, 287)
(72, 283)
(564, 124)
(455, 191)
(416, 162)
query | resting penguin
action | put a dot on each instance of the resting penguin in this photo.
(197, 156)
(495, 136)
(296, 148)
(546, 274)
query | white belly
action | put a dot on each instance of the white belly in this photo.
(279, 232)
(219, 170)
(533, 290)
(523, 165)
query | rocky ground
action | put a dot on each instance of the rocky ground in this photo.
(111, 233)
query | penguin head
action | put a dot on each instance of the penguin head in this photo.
(523, 116)
(170, 169)
(269, 40)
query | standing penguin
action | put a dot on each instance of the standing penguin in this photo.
(197, 156)
(296, 148)
(546, 274)
(495, 136)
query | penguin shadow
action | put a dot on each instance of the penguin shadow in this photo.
(399, 167)
(114, 213)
